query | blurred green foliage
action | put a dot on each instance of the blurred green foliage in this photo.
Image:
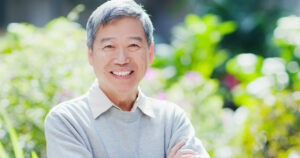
(256, 21)
(18, 151)
(269, 94)
(195, 47)
(41, 67)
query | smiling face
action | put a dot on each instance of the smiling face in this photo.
(120, 56)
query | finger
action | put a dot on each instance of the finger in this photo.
(188, 151)
(178, 146)
(191, 156)
(187, 156)
(173, 151)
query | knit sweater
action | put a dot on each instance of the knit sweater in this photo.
(76, 129)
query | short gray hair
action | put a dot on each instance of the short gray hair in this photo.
(115, 9)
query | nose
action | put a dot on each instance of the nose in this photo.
(122, 57)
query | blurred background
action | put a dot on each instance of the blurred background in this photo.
(233, 65)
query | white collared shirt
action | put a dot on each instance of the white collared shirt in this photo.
(99, 102)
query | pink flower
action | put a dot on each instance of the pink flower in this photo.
(230, 81)
(150, 75)
(191, 75)
(162, 96)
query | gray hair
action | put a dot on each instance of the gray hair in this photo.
(115, 9)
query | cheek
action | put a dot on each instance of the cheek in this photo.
(143, 61)
(99, 64)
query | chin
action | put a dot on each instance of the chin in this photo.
(124, 88)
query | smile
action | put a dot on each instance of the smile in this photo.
(121, 74)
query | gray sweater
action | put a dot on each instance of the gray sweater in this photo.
(92, 127)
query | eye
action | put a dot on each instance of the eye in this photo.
(108, 46)
(133, 45)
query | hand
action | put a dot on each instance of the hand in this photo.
(185, 153)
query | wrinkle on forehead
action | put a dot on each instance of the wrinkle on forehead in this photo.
(137, 38)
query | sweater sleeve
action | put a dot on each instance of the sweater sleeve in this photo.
(62, 139)
(182, 129)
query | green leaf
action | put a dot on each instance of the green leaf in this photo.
(220, 57)
(192, 19)
(33, 155)
(14, 137)
(227, 27)
(3, 153)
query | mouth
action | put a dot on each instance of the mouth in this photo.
(122, 74)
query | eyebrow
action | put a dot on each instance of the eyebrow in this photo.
(106, 39)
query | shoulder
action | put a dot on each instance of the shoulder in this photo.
(69, 111)
(70, 106)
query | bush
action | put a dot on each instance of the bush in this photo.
(269, 93)
(40, 67)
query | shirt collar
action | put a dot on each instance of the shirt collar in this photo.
(100, 103)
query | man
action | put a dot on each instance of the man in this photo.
(114, 119)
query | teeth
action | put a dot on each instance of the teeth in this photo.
(122, 73)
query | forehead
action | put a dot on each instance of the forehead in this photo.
(122, 28)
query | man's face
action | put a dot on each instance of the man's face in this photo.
(120, 55)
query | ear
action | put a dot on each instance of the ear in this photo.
(90, 55)
(151, 53)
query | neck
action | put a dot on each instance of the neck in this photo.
(124, 100)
